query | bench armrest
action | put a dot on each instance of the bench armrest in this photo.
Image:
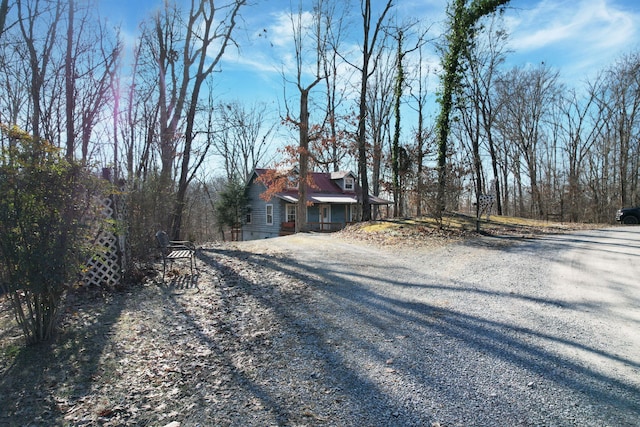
(181, 244)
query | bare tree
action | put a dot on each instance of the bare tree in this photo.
(241, 137)
(15, 104)
(527, 96)
(379, 112)
(478, 106)
(90, 63)
(316, 33)
(579, 135)
(371, 32)
(4, 12)
(38, 23)
(185, 51)
(58, 67)
(140, 114)
(463, 19)
(619, 100)
(69, 71)
(330, 146)
(207, 28)
(399, 156)
(418, 93)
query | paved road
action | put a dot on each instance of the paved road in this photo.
(493, 331)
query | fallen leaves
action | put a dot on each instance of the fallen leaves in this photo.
(159, 354)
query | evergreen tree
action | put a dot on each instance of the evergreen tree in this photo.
(232, 205)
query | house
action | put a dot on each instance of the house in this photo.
(332, 203)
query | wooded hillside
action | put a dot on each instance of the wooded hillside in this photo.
(147, 108)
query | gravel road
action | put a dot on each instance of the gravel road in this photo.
(488, 332)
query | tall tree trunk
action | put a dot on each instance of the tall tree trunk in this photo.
(303, 153)
(395, 148)
(462, 21)
(69, 75)
(201, 32)
(362, 146)
(368, 46)
(420, 142)
(4, 11)
(494, 168)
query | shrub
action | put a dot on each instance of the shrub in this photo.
(45, 204)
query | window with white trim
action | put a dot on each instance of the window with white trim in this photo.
(269, 214)
(352, 213)
(291, 213)
(292, 181)
(349, 183)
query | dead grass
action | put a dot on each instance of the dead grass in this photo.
(464, 224)
(426, 231)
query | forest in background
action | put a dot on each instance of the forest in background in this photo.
(546, 150)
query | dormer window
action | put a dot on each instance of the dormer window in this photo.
(292, 181)
(349, 183)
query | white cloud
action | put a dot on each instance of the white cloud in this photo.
(584, 24)
(271, 48)
(577, 37)
(282, 30)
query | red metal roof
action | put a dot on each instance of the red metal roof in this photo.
(325, 189)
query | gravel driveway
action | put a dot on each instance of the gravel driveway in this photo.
(324, 330)
(487, 332)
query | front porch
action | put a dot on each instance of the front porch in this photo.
(289, 227)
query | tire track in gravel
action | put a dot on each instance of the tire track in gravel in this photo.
(483, 332)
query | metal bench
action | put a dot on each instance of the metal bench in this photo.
(175, 249)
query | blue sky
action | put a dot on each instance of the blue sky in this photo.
(577, 37)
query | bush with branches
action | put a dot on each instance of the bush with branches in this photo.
(45, 210)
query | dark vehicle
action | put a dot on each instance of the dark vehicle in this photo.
(628, 215)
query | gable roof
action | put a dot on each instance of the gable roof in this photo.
(341, 174)
(325, 189)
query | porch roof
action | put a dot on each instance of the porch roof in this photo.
(341, 199)
(319, 198)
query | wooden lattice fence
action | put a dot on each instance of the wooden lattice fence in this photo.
(107, 266)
